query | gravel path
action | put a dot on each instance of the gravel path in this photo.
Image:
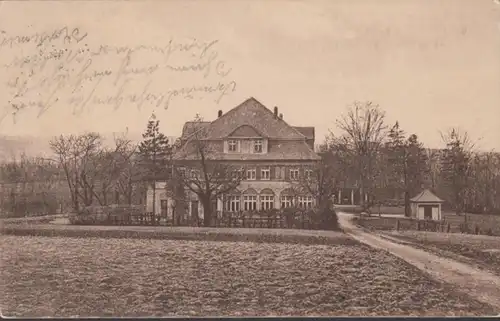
(482, 285)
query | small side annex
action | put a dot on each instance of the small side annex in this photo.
(426, 206)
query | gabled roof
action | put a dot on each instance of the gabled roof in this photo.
(252, 113)
(426, 197)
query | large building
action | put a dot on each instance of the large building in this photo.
(272, 154)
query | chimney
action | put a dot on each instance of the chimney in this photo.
(275, 111)
(281, 116)
(220, 114)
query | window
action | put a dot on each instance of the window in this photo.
(232, 203)
(305, 201)
(286, 201)
(266, 202)
(251, 174)
(308, 173)
(257, 146)
(294, 174)
(232, 145)
(250, 202)
(265, 174)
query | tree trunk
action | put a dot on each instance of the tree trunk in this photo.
(154, 198)
(207, 212)
(362, 196)
(407, 204)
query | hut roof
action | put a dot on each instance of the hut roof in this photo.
(426, 197)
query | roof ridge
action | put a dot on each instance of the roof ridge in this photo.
(281, 119)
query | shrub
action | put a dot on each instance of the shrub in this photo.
(329, 219)
(105, 215)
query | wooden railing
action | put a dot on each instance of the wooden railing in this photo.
(298, 219)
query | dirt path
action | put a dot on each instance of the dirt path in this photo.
(480, 284)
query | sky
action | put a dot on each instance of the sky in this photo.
(429, 64)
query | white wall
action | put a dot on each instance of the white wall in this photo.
(420, 212)
(436, 211)
(161, 194)
(435, 214)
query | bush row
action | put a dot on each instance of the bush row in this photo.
(325, 219)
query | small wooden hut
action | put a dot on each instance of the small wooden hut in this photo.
(426, 206)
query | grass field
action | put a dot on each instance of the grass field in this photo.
(480, 250)
(53, 276)
(181, 233)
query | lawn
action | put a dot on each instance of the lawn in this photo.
(480, 250)
(55, 276)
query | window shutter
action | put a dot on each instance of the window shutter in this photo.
(278, 174)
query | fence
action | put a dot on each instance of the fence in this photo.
(298, 219)
(471, 224)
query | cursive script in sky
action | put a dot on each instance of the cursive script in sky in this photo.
(67, 68)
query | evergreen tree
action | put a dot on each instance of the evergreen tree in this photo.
(407, 163)
(456, 166)
(417, 167)
(396, 158)
(154, 154)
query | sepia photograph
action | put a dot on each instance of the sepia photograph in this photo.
(250, 158)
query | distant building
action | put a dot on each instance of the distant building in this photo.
(272, 153)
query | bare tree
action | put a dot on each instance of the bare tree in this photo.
(77, 155)
(321, 179)
(112, 164)
(202, 172)
(29, 185)
(484, 176)
(363, 132)
(128, 169)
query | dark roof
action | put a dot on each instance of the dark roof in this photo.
(252, 113)
(306, 131)
(426, 197)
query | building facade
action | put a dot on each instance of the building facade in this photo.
(272, 155)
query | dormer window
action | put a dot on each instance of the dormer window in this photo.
(232, 145)
(257, 146)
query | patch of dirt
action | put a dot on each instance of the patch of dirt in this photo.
(52, 276)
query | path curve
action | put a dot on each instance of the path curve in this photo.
(482, 285)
